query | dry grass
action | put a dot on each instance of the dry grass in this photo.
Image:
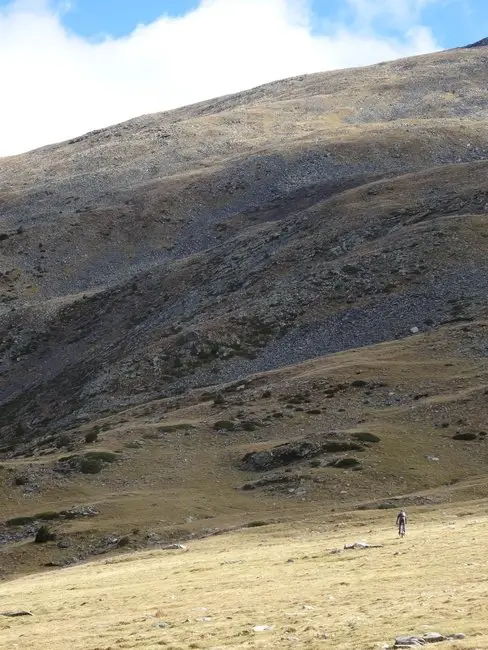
(213, 595)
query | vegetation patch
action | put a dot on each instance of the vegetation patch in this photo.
(90, 463)
(91, 436)
(249, 425)
(63, 441)
(466, 435)
(21, 480)
(257, 524)
(20, 521)
(44, 535)
(170, 428)
(365, 436)
(224, 425)
(334, 446)
(104, 456)
(47, 516)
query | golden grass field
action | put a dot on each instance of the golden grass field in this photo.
(281, 576)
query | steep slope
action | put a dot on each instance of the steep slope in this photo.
(221, 239)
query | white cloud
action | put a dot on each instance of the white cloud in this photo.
(56, 85)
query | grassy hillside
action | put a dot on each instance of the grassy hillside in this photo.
(265, 305)
(407, 420)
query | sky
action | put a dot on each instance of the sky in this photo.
(71, 66)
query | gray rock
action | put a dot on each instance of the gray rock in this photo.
(434, 637)
(424, 639)
(407, 642)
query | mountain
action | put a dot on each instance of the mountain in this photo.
(150, 270)
(243, 234)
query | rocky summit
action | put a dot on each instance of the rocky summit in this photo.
(161, 279)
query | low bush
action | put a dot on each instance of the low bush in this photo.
(103, 456)
(465, 436)
(63, 441)
(47, 516)
(90, 465)
(364, 436)
(91, 436)
(248, 425)
(20, 521)
(224, 425)
(44, 535)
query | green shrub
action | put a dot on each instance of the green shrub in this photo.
(20, 521)
(63, 441)
(44, 535)
(364, 436)
(90, 466)
(47, 516)
(359, 383)
(92, 462)
(248, 425)
(91, 436)
(170, 428)
(465, 436)
(103, 456)
(224, 425)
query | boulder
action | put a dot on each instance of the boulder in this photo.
(291, 452)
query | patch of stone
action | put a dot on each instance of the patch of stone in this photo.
(424, 639)
(278, 478)
(9, 536)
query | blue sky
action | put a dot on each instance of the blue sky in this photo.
(453, 22)
(72, 66)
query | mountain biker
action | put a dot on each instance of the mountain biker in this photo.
(401, 521)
